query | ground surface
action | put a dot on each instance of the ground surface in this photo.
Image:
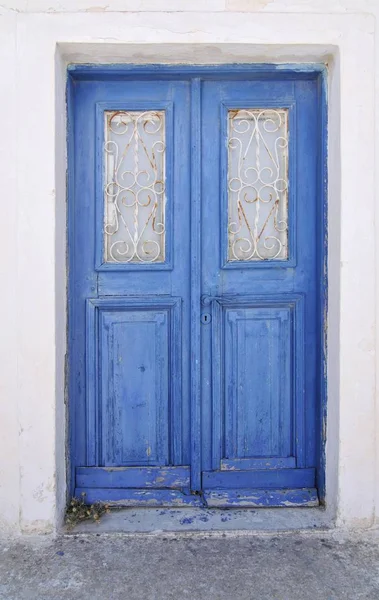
(314, 565)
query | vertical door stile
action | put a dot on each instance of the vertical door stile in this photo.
(195, 284)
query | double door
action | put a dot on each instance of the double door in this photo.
(194, 290)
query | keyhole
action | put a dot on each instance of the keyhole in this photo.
(206, 318)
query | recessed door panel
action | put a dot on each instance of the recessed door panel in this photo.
(135, 427)
(135, 410)
(257, 381)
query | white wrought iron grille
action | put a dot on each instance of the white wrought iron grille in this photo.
(134, 192)
(257, 184)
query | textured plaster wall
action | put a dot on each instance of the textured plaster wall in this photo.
(37, 38)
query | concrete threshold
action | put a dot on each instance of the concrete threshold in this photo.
(204, 520)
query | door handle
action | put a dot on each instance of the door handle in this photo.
(206, 299)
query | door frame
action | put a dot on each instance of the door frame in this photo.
(197, 73)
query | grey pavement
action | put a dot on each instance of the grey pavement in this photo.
(325, 565)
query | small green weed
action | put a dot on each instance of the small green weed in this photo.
(78, 511)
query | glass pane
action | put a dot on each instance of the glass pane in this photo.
(257, 184)
(134, 194)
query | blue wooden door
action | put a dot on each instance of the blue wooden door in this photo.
(194, 286)
(260, 273)
(130, 289)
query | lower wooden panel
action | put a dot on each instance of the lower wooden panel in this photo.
(288, 462)
(134, 379)
(218, 498)
(270, 479)
(258, 350)
(133, 477)
(138, 497)
(258, 383)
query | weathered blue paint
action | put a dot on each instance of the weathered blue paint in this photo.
(165, 409)
(261, 416)
(128, 477)
(267, 72)
(230, 464)
(259, 479)
(261, 498)
(196, 169)
(128, 416)
(140, 496)
(322, 278)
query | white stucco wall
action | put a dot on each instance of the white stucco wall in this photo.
(37, 39)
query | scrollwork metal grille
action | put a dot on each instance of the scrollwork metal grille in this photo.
(257, 184)
(134, 192)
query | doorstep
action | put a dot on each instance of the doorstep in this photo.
(188, 519)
